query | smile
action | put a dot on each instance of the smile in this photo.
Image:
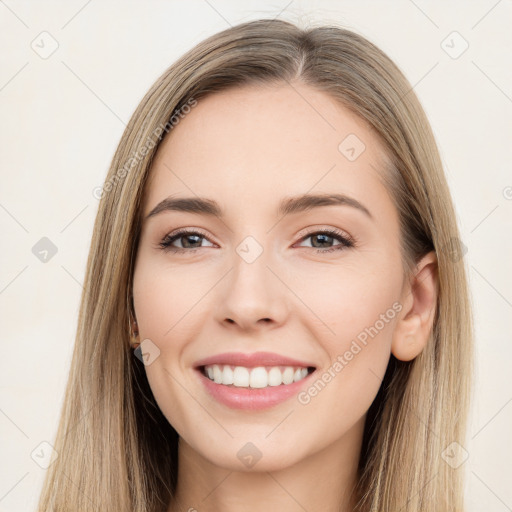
(256, 377)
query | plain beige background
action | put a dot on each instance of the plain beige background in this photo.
(71, 75)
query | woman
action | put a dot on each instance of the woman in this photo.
(276, 311)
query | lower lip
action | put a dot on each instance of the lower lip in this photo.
(252, 398)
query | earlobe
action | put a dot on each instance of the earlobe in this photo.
(413, 327)
(408, 343)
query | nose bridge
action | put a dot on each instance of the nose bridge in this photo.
(250, 267)
(253, 292)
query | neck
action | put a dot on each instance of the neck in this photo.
(323, 481)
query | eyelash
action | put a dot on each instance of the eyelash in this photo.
(346, 241)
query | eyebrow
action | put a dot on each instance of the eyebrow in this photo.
(289, 205)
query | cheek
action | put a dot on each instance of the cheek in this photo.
(162, 299)
(358, 312)
(349, 301)
(340, 396)
(343, 391)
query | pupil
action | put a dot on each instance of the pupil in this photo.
(188, 237)
(322, 236)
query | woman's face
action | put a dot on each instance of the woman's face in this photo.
(261, 275)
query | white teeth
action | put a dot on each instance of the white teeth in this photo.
(227, 375)
(217, 374)
(241, 377)
(258, 377)
(288, 375)
(275, 377)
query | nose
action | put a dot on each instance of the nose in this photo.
(253, 295)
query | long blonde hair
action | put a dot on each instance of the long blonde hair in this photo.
(116, 450)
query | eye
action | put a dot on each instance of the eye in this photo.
(191, 241)
(322, 238)
(187, 238)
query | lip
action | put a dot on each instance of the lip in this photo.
(252, 398)
(252, 360)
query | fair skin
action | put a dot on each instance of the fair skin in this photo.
(247, 149)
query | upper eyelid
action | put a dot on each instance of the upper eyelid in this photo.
(335, 231)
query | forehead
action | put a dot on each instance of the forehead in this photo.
(250, 146)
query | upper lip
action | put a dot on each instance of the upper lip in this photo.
(252, 360)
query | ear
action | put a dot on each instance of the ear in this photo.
(419, 300)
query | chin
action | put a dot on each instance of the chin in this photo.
(251, 453)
